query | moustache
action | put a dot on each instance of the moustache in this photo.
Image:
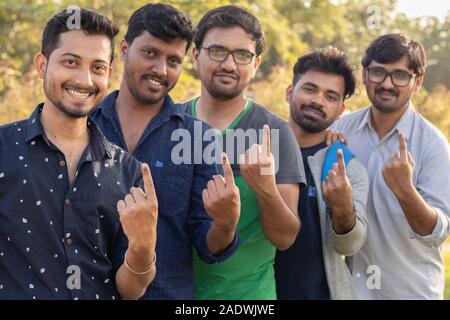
(390, 91)
(226, 73)
(163, 81)
(77, 87)
(314, 107)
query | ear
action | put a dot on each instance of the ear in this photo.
(342, 109)
(364, 75)
(110, 72)
(418, 82)
(40, 63)
(257, 64)
(195, 54)
(123, 49)
(289, 91)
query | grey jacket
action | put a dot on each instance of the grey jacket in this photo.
(335, 247)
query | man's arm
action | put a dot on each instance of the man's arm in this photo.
(222, 203)
(279, 216)
(138, 217)
(277, 203)
(346, 190)
(398, 175)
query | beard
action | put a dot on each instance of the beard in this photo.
(390, 106)
(221, 93)
(307, 123)
(132, 85)
(76, 111)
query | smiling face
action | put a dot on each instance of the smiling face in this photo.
(76, 73)
(225, 80)
(385, 96)
(316, 100)
(152, 66)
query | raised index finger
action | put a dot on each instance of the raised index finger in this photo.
(148, 181)
(341, 163)
(266, 140)
(227, 171)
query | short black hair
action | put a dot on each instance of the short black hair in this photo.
(227, 17)
(392, 47)
(328, 60)
(162, 21)
(91, 23)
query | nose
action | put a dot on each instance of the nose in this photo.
(228, 64)
(318, 99)
(160, 67)
(84, 78)
(387, 83)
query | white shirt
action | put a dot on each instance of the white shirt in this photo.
(395, 262)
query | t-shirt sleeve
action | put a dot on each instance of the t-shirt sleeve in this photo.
(288, 158)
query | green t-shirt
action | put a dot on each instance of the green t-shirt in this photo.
(248, 273)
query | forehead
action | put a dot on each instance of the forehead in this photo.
(230, 38)
(325, 81)
(88, 47)
(146, 40)
(401, 64)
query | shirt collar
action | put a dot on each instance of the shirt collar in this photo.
(99, 146)
(169, 108)
(404, 125)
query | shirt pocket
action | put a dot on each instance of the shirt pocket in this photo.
(173, 184)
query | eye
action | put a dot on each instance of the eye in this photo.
(150, 53)
(308, 89)
(378, 72)
(174, 61)
(218, 52)
(69, 62)
(401, 75)
(100, 68)
(331, 97)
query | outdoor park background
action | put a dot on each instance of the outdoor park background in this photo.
(292, 27)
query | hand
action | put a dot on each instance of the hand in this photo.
(337, 189)
(398, 170)
(258, 166)
(221, 198)
(332, 136)
(139, 214)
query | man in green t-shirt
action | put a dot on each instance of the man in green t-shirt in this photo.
(228, 46)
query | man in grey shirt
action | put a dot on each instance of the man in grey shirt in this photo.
(408, 162)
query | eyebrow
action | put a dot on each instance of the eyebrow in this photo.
(79, 57)
(316, 87)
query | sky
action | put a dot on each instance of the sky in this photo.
(417, 8)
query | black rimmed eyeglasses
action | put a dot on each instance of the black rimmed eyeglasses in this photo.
(399, 78)
(220, 54)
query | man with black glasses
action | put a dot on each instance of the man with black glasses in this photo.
(408, 162)
(268, 169)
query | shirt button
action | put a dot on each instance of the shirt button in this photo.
(69, 242)
(67, 201)
(62, 163)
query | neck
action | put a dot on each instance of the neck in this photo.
(383, 123)
(306, 139)
(127, 105)
(213, 110)
(60, 128)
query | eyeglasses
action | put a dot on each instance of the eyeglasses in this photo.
(220, 54)
(399, 78)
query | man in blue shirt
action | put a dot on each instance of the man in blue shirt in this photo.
(142, 118)
(61, 182)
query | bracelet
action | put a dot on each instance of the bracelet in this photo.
(152, 265)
